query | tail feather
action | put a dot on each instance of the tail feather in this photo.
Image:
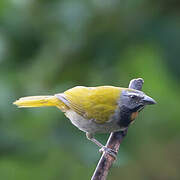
(40, 101)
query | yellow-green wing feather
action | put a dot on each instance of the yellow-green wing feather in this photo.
(97, 103)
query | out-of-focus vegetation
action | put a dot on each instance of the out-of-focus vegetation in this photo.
(48, 46)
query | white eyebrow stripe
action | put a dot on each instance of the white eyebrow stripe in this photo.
(132, 93)
(136, 94)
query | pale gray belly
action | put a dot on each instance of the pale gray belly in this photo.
(90, 125)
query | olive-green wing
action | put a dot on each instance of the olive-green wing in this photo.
(97, 103)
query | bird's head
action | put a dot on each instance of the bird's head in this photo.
(131, 102)
(135, 100)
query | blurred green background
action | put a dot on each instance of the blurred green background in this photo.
(48, 46)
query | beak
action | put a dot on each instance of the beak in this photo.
(148, 100)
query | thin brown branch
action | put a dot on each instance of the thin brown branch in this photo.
(113, 142)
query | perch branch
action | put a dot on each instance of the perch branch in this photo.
(113, 142)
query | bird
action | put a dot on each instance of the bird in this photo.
(101, 109)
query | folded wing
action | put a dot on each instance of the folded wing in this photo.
(97, 103)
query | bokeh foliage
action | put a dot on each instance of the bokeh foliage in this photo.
(48, 46)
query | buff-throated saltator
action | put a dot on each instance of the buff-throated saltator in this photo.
(102, 109)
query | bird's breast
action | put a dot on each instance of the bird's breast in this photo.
(125, 116)
(90, 125)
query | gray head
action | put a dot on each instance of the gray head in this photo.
(135, 100)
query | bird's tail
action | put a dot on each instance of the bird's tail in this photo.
(39, 101)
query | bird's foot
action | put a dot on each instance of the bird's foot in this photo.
(108, 151)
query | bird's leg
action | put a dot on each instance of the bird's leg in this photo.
(91, 138)
(103, 148)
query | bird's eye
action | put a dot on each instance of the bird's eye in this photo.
(133, 96)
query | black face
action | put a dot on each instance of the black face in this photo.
(132, 101)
